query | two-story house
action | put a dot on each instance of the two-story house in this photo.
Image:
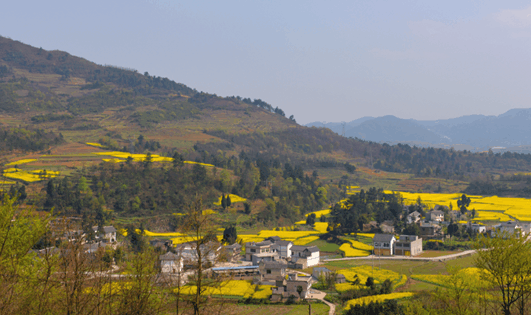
(413, 217)
(305, 256)
(408, 245)
(435, 215)
(171, 263)
(252, 248)
(383, 244)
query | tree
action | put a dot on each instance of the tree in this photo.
(230, 235)
(505, 259)
(463, 203)
(310, 219)
(247, 208)
(350, 168)
(223, 201)
(200, 229)
(229, 203)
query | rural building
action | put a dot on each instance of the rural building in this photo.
(108, 233)
(232, 252)
(511, 227)
(272, 271)
(320, 271)
(413, 217)
(383, 244)
(477, 227)
(305, 256)
(165, 245)
(237, 272)
(435, 215)
(171, 263)
(283, 248)
(267, 256)
(295, 286)
(387, 227)
(252, 248)
(408, 245)
(428, 229)
(209, 252)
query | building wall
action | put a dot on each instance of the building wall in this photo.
(382, 252)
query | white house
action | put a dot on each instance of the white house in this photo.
(171, 263)
(436, 215)
(108, 233)
(413, 217)
(384, 244)
(310, 253)
(511, 227)
(283, 248)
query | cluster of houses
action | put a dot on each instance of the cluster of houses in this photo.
(275, 249)
(265, 262)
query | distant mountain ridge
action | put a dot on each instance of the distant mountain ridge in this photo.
(510, 131)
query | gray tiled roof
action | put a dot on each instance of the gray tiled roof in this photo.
(382, 237)
(169, 256)
(109, 229)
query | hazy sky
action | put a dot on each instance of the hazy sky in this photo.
(317, 60)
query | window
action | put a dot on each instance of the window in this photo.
(253, 250)
(268, 271)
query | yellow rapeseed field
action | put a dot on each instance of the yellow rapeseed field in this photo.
(29, 176)
(235, 288)
(320, 227)
(94, 144)
(122, 156)
(360, 245)
(24, 161)
(305, 240)
(378, 298)
(363, 272)
(353, 252)
(233, 199)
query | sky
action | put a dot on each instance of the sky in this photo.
(317, 60)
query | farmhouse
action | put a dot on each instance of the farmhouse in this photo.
(108, 233)
(296, 287)
(272, 271)
(413, 217)
(408, 245)
(511, 227)
(252, 248)
(304, 256)
(435, 215)
(383, 244)
(171, 263)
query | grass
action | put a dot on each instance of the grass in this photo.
(437, 253)
(324, 246)
(406, 267)
(280, 309)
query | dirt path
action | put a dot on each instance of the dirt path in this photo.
(318, 295)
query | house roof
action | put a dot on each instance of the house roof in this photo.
(340, 276)
(234, 246)
(283, 243)
(298, 248)
(312, 249)
(437, 212)
(273, 264)
(414, 214)
(109, 229)
(264, 243)
(321, 269)
(274, 238)
(169, 256)
(382, 237)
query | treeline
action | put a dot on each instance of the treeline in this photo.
(363, 207)
(302, 143)
(516, 185)
(142, 188)
(27, 139)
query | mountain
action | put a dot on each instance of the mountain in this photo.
(510, 130)
(391, 128)
(338, 127)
